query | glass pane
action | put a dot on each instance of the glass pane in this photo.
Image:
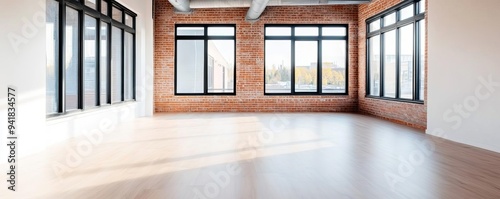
(334, 31)
(334, 66)
(89, 64)
(187, 31)
(221, 31)
(52, 47)
(91, 3)
(306, 66)
(104, 63)
(278, 31)
(423, 48)
(390, 19)
(129, 20)
(104, 7)
(116, 65)
(220, 66)
(422, 6)
(190, 66)
(406, 62)
(374, 66)
(278, 66)
(72, 58)
(374, 25)
(390, 64)
(406, 12)
(129, 66)
(306, 31)
(117, 14)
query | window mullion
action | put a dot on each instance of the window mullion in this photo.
(367, 69)
(109, 57)
(123, 65)
(398, 64)
(81, 75)
(416, 61)
(415, 11)
(319, 80)
(134, 70)
(205, 61)
(382, 57)
(382, 62)
(398, 60)
(98, 60)
(62, 58)
(293, 62)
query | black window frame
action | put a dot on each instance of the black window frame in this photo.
(415, 20)
(292, 38)
(205, 37)
(83, 10)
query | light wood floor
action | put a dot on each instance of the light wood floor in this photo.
(265, 156)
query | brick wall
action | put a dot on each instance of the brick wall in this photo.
(249, 60)
(405, 113)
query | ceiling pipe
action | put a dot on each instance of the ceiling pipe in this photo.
(181, 6)
(220, 3)
(256, 9)
(248, 3)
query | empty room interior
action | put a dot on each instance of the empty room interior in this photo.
(257, 99)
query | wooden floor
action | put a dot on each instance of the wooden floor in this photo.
(258, 155)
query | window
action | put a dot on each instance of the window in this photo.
(90, 57)
(90, 65)
(91, 3)
(375, 25)
(117, 14)
(128, 66)
(396, 53)
(129, 21)
(423, 47)
(306, 59)
(390, 64)
(116, 64)
(374, 65)
(72, 61)
(104, 7)
(52, 38)
(390, 19)
(205, 60)
(104, 64)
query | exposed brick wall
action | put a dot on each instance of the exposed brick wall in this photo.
(249, 60)
(250, 63)
(406, 113)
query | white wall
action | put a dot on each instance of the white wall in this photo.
(23, 66)
(464, 52)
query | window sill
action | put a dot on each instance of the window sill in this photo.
(59, 117)
(307, 94)
(394, 99)
(204, 94)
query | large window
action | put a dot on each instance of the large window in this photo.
(205, 60)
(90, 55)
(396, 53)
(306, 59)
